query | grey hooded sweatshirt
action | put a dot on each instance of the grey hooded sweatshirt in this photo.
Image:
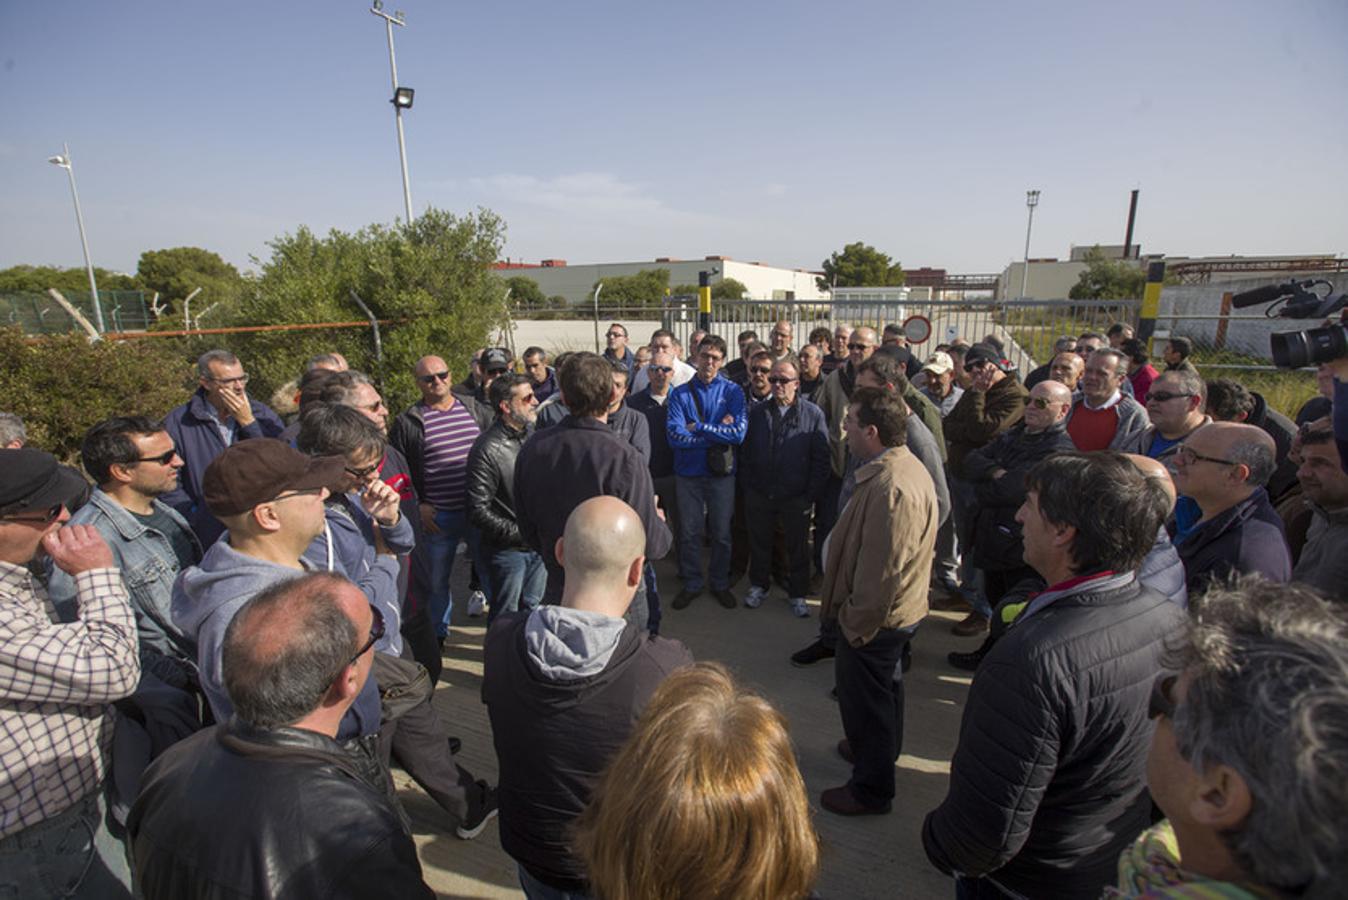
(205, 599)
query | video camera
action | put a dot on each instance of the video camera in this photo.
(1298, 300)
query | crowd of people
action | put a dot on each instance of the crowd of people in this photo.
(217, 641)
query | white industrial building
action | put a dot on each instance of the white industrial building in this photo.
(763, 282)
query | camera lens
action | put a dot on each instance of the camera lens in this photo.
(1294, 349)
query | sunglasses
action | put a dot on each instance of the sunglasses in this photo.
(1163, 396)
(163, 459)
(51, 514)
(778, 379)
(761, 370)
(615, 334)
(376, 633)
(433, 377)
(1040, 402)
(665, 369)
(1162, 702)
(856, 346)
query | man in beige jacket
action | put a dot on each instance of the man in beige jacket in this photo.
(877, 566)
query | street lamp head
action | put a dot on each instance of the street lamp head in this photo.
(1032, 199)
(402, 97)
(59, 161)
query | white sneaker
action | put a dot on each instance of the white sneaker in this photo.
(477, 604)
(799, 607)
(755, 597)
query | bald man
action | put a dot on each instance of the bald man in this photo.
(1224, 466)
(564, 685)
(1162, 570)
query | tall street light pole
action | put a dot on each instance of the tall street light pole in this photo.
(1031, 200)
(402, 97)
(64, 162)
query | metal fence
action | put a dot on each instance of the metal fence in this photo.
(40, 314)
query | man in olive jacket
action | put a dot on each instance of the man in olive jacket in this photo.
(876, 570)
(1048, 781)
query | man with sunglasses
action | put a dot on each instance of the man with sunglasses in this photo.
(435, 435)
(134, 463)
(219, 415)
(1223, 467)
(269, 803)
(1046, 783)
(57, 681)
(652, 403)
(1247, 759)
(615, 347)
(757, 390)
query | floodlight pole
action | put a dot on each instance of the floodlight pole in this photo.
(389, 22)
(64, 162)
(1031, 200)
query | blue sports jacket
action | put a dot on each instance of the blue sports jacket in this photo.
(719, 398)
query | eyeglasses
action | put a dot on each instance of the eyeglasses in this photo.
(858, 346)
(376, 633)
(1163, 396)
(1188, 456)
(363, 472)
(761, 370)
(665, 369)
(1040, 402)
(780, 379)
(1162, 701)
(163, 459)
(615, 334)
(713, 357)
(237, 379)
(50, 514)
(433, 377)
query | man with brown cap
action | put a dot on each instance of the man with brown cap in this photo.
(56, 683)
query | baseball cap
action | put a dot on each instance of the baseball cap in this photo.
(259, 470)
(33, 479)
(495, 360)
(939, 363)
(985, 353)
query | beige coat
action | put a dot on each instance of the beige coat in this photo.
(880, 551)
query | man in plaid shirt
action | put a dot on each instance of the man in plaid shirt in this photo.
(56, 681)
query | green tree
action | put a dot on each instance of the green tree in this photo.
(725, 289)
(178, 271)
(644, 290)
(25, 279)
(525, 294)
(431, 282)
(860, 265)
(1108, 279)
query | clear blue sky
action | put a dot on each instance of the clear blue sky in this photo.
(606, 131)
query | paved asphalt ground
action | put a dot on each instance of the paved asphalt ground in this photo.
(862, 858)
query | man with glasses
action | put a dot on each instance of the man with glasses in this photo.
(219, 415)
(1046, 783)
(1175, 408)
(707, 419)
(435, 435)
(57, 681)
(652, 402)
(780, 339)
(220, 809)
(757, 390)
(1223, 467)
(1247, 804)
(364, 535)
(616, 347)
(784, 465)
(134, 463)
(663, 341)
(1102, 416)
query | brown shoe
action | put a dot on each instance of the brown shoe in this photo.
(972, 624)
(845, 751)
(943, 599)
(839, 800)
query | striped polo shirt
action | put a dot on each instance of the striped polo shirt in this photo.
(449, 436)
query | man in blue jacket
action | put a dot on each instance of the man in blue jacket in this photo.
(219, 415)
(784, 466)
(707, 419)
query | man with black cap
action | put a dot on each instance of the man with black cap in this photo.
(56, 683)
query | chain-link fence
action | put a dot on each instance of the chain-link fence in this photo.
(40, 314)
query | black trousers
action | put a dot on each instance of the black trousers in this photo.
(870, 700)
(762, 514)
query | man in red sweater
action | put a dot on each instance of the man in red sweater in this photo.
(1102, 417)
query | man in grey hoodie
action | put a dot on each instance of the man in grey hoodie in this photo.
(564, 686)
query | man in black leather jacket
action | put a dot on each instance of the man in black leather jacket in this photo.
(515, 573)
(269, 805)
(1047, 784)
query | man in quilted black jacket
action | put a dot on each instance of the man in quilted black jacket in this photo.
(1047, 784)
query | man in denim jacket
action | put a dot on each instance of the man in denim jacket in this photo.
(134, 462)
(706, 412)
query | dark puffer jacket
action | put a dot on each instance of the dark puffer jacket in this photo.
(238, 812)
(998, 545)
(1246, 538)
(1048, 782)
(491, 486)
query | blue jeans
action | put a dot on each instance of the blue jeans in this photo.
(713, 496)
(537, 890)
(454, 527)
(515, 578)
(72, 854)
